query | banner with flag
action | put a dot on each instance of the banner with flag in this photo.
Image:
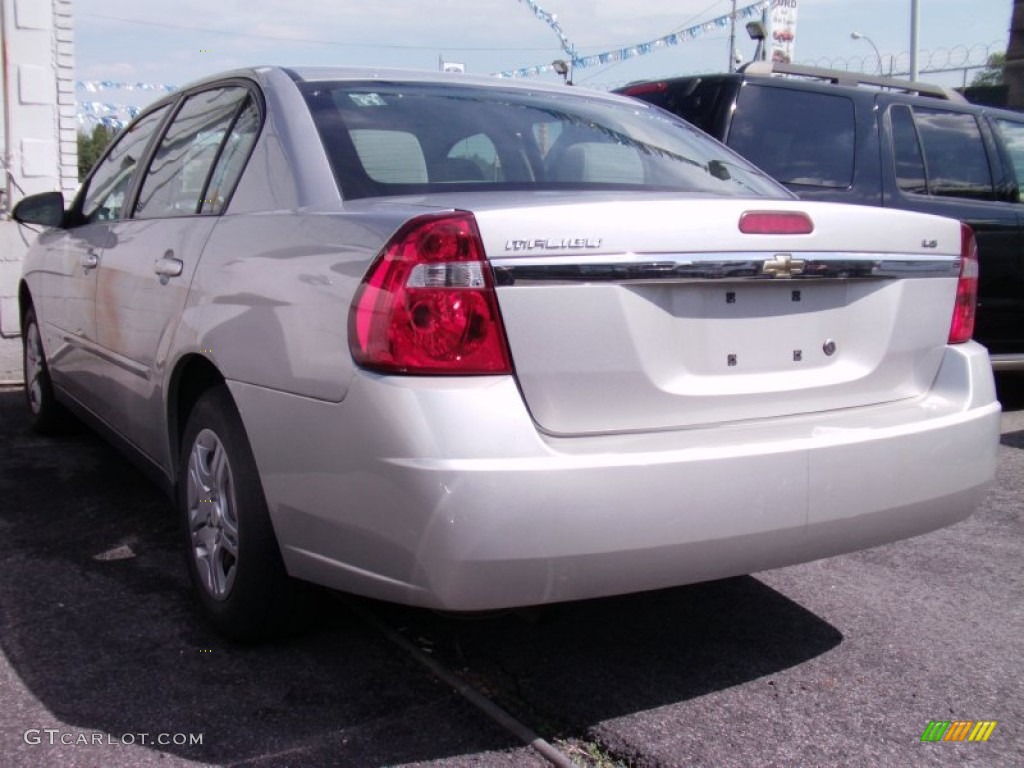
(720, 24)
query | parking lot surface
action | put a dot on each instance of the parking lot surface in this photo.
(838, 662)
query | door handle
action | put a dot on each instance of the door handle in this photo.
(168, 266)
(89, 260)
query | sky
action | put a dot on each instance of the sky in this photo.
(172, 43)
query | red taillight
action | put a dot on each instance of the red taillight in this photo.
(427, 304)
(776, 223)
(962, 327)
(639, 90)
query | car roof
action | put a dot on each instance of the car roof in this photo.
(817, 78)
(264, 75)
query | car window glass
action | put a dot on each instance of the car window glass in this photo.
(175, 180)
(473, 159)
(907, 151)
(105, 196)
(232, 159)
(391, 157)
(797, 137)
(395, 139)
(545, 134)
(698, 102)
(954, 154)
(1013, 137)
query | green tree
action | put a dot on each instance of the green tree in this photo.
(91, 146)
(992, 74)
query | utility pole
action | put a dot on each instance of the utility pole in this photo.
(732, 38)
(915, 25)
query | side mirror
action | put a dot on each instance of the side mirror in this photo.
(45, 209)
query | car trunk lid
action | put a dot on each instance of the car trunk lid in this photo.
(661, 314)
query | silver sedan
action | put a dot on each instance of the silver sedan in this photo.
(469, 344)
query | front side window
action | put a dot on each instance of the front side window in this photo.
(799, 137)
(111, 182)
(177, 178)
(395, 138)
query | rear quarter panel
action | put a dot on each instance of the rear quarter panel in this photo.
(272, 295)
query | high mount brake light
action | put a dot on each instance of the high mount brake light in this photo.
(427, 304)
(638, 90)
(776, 223)
(962, 327)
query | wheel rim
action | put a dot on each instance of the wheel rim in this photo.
(212, 515)
(33, 368)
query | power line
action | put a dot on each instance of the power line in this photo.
(232, 33)
(681, 27)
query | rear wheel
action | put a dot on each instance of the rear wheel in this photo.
(233, 557)
(48, 416)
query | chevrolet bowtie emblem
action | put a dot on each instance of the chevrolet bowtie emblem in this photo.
(783, 265)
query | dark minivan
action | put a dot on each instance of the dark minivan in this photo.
(850, 138)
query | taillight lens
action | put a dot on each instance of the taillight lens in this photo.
(427, 304)
(776, 223)
(962, 327)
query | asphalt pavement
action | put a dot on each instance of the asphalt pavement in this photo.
(104, 662)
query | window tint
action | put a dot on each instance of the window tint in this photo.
(105, 197)
(697, 101)
(232, 159)
(954, 154)
(907, 150)
(394, 138)
(546, 134)
(798, 137)
(473, 159)
(391, 157)
(176, 179)
(1013, 137)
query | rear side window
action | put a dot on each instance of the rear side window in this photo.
(233, 156)
(940, 153)
(176, 180)
(798, 137)
(1013, 138)
(907, 151)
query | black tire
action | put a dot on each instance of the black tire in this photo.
(48, 416)
(234, 561)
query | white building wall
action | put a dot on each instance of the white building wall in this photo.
(37, 125)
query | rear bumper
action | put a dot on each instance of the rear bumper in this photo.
(442, 493)
(1008, 361)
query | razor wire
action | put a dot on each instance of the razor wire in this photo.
(957, 58)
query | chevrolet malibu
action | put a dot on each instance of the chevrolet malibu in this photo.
(468, 344)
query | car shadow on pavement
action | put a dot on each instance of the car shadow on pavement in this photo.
(567, 668)
(1010, 390)
(97, 621)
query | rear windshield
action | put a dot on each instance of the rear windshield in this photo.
(798, 137)
(395, 139)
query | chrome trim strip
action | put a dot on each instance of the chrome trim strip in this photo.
(691, 268)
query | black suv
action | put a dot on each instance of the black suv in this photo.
(844, 137)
